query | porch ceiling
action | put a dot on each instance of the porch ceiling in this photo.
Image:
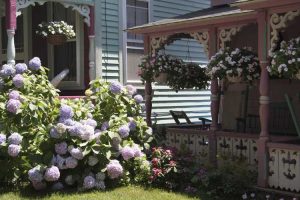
(202, 18)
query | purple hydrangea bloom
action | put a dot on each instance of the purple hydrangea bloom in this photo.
(127, 153)
(35, 175)
(14, 94)
(104, 126)
(54, 133)
(89, 182)
(71, 162)
(18, 81)
(132, 125)
(114, 169)
(57, 186)
(52, 174)
(124, 131)
(39, 185)
(69, 122)
(2, 138)
(88, 133)
(115, 87)
(13, 106)
(137, 151)
(60, 162)
(138, 98)
(131, 89)
(61, 148)
(21, 68)
(35, 64)
(77, 129)
(15, 138)
(90, 122)
(13, 150)
(7, 70)
(66, 111)
(76, 153)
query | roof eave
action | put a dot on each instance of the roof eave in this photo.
(182, 25)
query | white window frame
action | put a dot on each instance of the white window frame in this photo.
(125, 40)
(79, 83)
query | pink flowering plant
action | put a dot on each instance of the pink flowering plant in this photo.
(285, 62)
(234, 63)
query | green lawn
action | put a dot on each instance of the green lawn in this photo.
(123, 193)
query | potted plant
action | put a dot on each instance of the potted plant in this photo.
(154, 68)
(187, 75)
(56, 32)
(286, 61)
(236, 65)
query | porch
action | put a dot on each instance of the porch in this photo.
(254, 128)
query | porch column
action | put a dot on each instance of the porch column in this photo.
(264, 99)
(11, 25)
(148, 85)
(92, 45)
(214, 99)
(98, 38)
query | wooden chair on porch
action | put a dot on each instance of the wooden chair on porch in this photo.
(182, 115)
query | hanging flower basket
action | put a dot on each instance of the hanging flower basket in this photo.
(56, 39)
(161, 78)
(234, 79)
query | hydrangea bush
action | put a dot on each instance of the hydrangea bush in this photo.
(28, 105)
(236, 63)
(286, 61)
(91, 142)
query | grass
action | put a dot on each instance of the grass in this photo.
(124, 193)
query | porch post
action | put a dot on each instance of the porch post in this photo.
(264, 100)
(92, 45)
(11, 25)
(214, 100)
(148, 86)
(98, 38)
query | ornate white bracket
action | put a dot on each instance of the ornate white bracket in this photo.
(203, 38)
(226, 34)
(82, 9)
(278, 22)
(157, 43)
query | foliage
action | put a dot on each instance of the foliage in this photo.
(234, 63)
(187, 75)
(56, 27)
(286, 61)
(38, 102)
(228, 181)
(180, 75)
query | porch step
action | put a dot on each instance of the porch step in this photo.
(277, 191)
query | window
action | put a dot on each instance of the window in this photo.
(137, 13)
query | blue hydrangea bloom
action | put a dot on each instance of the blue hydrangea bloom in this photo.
(21, 68)
(7, 70)
(35, 175)
(18, 81)
(2, 138)
(15, 138)
(66, 111)
(13, 150)
(132, 125)
(1, 83)
(14, 94)
(115, 87)
(52, 174)
(35, 64)
(138, 98)
(124, 131)
(13, 106)
(104, 126)
(127, 153)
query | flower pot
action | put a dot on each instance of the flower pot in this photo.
(161, 78)
(56, 39)
(234, 79)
